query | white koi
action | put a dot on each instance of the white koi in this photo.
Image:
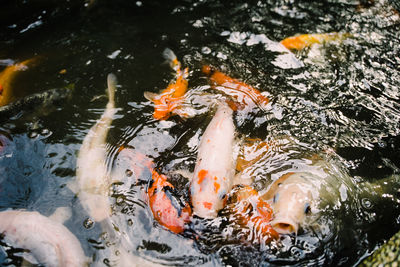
(48, 241)
(214, 170)
(93, 180)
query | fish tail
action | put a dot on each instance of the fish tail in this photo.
(170, 56)
(111, 87)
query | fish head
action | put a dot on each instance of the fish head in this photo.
(291, 203)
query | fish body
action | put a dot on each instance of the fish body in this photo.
(214, 169)
(170, 100)
(166, 208)
(93, 180)
(249, 210)
(35, 101)
(241, 92)
(291, 198)
(49, 242)
(302, 41)
(7, 77)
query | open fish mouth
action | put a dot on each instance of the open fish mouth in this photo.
(285, 225)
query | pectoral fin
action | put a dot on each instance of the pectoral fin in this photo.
(150, 95)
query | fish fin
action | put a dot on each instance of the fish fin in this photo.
(73, 186)
(111, 86)
(150, 95)
(61, 214)
(95, 98)
(171, 58)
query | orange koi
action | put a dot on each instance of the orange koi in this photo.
(249, 210)
(166, 209)
(240, 91)
(169, 101)
(302, 41)
(7, 77)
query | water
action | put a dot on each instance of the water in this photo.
(342, 97)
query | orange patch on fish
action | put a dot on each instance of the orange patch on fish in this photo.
(202, 175)
(207, 205)
(217, 186)
(162, 205)
(239, 91)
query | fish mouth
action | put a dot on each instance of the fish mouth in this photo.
(284, 225)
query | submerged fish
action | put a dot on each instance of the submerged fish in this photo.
(302, 41)
(36, 101)
(7, 77)
(215, 166)
(169, 101)
(93, 179)
(47, 240)
(242, 93)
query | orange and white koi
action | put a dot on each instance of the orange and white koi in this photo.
(302, 41)
(166, 208)
(93, 180)
(250, 211)
(46, 239)
(169, 101)
(242, 93)
(7, 77)
(215, 166)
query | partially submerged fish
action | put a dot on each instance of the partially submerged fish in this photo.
(162, 199)
(166, 208)
(242, 93)
(291, 201)
(47, 240)
(215, 166)
(93, 179)
(169, 101)
(302, 41)
(7, 77)
(250, 211)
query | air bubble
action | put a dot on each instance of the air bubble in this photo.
(88, 223)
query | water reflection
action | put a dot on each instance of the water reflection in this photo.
(340, 96)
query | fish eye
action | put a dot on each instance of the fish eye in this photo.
(275, 199)
(307, 208)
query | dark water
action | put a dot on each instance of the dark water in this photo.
(342, 96)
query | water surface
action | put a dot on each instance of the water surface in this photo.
(341, 97)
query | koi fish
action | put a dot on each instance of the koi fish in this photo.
(169, 101)
(291, 201)
(215, 166)
(47, 240)
(302, 41)
(242, 93)
(92, 177)
(249, 210)
(36, 102)
(166, 208)
(7, 77)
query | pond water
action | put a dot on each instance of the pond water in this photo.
(337, 100)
